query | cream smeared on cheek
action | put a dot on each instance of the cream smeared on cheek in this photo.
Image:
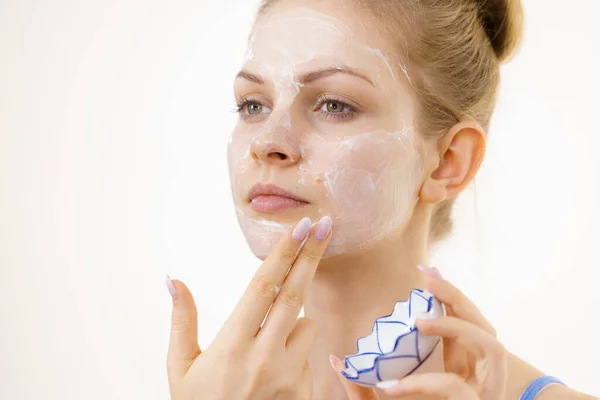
(370, 181)
(365, 180)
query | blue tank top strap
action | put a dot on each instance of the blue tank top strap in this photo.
(537, 386)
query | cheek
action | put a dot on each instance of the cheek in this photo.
(367, 183)
(238, 157)
(261, 234)
(238, 148)
(371, 184)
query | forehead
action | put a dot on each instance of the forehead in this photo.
(343, 13)
(298, 36)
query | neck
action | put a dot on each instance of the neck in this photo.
(350, 291)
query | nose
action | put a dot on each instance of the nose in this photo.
(271, 149)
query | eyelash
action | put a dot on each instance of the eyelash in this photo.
(321, 101)
(244, 102)
(339, 116)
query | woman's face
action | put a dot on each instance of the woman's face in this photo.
(327, 118)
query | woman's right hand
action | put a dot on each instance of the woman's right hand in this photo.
(250, 359)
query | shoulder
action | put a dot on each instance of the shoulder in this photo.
(559, 392)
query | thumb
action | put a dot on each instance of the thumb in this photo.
(354, 391)
(183, 341)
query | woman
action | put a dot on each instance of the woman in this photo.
(360, 123)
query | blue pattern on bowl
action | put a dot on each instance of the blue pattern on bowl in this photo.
(395, 348)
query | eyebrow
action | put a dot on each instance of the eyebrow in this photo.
(309, 77)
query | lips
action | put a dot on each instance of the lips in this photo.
(269, 198)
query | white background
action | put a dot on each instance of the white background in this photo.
(114, 119)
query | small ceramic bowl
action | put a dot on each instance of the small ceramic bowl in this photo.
(395, 348)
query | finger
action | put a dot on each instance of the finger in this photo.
(183, 340)
(264, 287)
(353, 391)
(301, 338)
(306, 387)
(447, 386)
(470, 336)
(455, 358)
(460, 304)
(287, 306)
(490, 355)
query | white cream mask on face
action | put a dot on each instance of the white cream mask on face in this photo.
(363, 171)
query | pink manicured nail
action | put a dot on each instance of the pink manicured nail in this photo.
(430, 271)
(323, 228)
(425, 317)
(301, 230)
(333, 360)
(171, 288)
(387, 384)
(336, 363)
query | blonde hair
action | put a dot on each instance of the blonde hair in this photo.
(452, 51)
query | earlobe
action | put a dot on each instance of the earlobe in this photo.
(461, 151)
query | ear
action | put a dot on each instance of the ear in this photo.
(458, 158)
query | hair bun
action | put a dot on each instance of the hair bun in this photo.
(503, 24)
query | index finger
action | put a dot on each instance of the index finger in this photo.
(264, 287)
(283, 315)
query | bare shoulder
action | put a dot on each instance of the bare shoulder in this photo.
(559, 392)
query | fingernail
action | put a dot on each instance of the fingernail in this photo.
(301, 230)
(425, 317)
(430, 271)
(171, 288)
(323, 228)
(336, 363)
(387, 384)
